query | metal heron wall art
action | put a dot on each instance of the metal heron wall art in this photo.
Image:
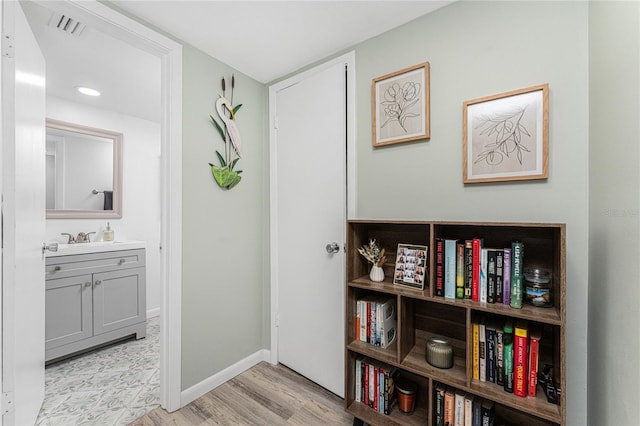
(225, 175)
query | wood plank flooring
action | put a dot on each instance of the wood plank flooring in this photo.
(263, 395)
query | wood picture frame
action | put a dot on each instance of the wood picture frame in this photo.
(411, 266)
(506, 136)
(400, 110)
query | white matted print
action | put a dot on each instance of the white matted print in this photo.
(411, 266)
(505, 136)
(400, 106)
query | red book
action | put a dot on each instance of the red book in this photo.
(365, 398)
(534, 348)
(476, 246)
(439, 267)
(520, 355)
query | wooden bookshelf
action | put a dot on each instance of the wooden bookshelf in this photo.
(421, 314)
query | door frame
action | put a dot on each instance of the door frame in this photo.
(349, 59)
(112, 22)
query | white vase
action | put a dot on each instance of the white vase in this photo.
(376, 274)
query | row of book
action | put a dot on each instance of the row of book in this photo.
(506, 355)
(467, 270)
(376, 320)
(453, 407)
(375, 385)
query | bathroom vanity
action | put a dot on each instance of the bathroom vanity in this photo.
(95, 294)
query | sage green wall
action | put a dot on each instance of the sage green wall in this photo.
(478, 49)
(223, 232)
(614, 248)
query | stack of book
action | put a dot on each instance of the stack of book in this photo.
(453, 407)
(467, 270)
(506, 355)
(375, 384)
(376, 320)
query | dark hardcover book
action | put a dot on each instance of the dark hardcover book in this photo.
(517, 264)
(459, 271)
(488, 412)
(499, 274)
(390, 377)
(477, 412)
(499, 356)
(468, 268)
(490, 330)
(491, 276)
(440, 267)
(438, 406)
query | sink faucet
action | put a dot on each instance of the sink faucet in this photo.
(82, 237)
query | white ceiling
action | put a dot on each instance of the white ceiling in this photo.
(265, 40)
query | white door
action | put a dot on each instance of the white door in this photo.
(23, 217)
(309, 191)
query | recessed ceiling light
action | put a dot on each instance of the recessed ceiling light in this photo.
(87, 91)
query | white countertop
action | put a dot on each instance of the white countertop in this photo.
(94, 247)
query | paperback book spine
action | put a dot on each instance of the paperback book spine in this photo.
(506, 277)
(468, 268)
(491, 276)
(357, 331)
(520, 355)
(477, 412)
(459, 271)
(499, 274)
(508, 356)
(365, 380)
(483, 275)
(517, 259)
(468, 410)
(499, 356)
(534, 350)
(449, 406)
(389, 389)
(475, 362)
(475, 271)
(458, 415)
(450, 269)
(488, 412)
(358, 380)
(439, 267)
(363, 321)
(483, 351)
(491, 352)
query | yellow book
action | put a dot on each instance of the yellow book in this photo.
(475, 362)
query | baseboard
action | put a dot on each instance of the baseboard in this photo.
(212, 382)
(155, 312)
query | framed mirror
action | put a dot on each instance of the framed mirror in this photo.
(83, 172)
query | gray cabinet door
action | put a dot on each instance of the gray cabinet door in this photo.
(68, 310)
(119, 299)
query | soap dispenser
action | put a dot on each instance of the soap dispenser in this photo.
(107, 234)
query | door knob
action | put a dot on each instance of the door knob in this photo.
(98, 282)
(50, 247)
(333, 247)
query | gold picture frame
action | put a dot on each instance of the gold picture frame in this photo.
(400, 106)
(506, 136)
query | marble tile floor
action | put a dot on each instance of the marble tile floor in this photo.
(110, 386)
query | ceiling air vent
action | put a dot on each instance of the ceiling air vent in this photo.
(66, 24)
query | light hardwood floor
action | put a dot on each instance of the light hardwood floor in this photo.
(263, 395)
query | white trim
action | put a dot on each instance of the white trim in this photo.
(350, 60)
(212, 382)
(119, 26)
(152, 313)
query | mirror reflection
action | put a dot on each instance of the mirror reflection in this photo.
(83, 171)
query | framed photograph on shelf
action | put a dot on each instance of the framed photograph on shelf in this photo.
(400, 106)
(411, 266)
(506, 136)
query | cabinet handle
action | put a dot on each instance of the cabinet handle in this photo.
(121, 261)
(87, 284)
(57, 268)
(98, 282)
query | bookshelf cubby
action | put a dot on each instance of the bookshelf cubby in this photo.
(421, 314)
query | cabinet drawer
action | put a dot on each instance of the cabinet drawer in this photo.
(68, 266)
